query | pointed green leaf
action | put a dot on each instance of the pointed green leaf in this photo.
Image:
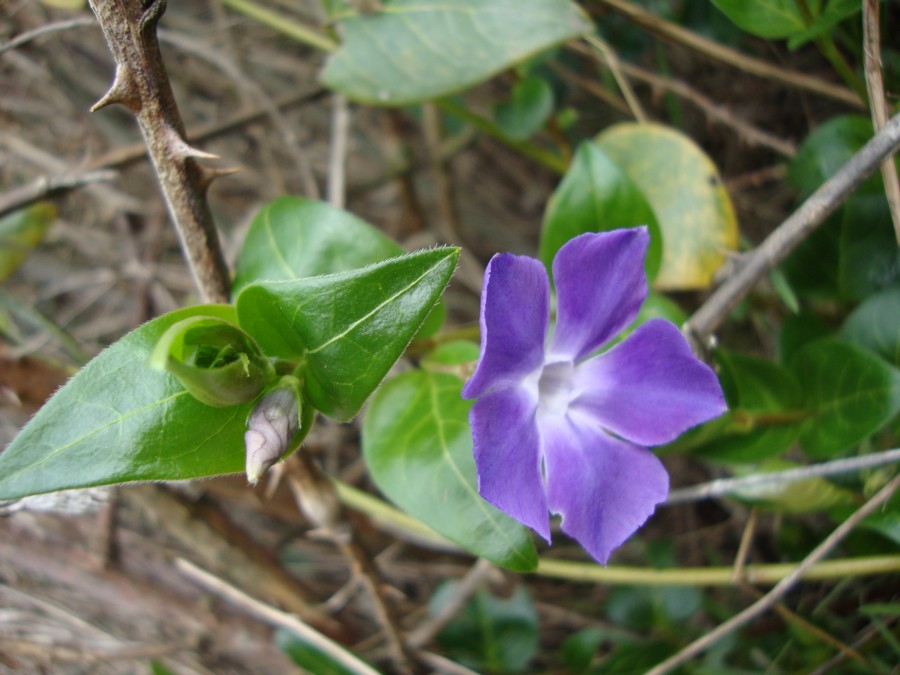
(418, 445)
(347, 328)
(218, 363)
(596, 196)
(683, 187)
(849, 392)
(293, 237)
(803, 496)
(833, 13)
(119, 420)
(415, 50)
(875, 325)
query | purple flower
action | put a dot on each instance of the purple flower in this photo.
(559, 427)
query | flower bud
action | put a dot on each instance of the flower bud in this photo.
(271, 428)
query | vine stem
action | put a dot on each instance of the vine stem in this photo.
(781, 588)
(792, 231)
(141, 85)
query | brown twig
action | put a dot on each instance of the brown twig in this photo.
(878, 103)
(318, 500)
(714, 50)
(274, 617)
(792, 231)
(781, 588)
(141, 84)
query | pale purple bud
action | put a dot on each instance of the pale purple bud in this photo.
(270, 429)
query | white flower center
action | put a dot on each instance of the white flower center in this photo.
(555, 387)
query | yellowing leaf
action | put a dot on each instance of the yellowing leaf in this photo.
(681, 183)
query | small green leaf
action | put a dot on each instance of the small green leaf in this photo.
(293, 238)
(492, 635)
(118, 420)
(849, 392)
(579, 649)
(20, 232)
(769, 19)
(218, 363)
(596, 196)
(875, 325)
(416, 50)
(693, 209)
(348, 329)
(765, 410)
(418, 446)
(528, 108)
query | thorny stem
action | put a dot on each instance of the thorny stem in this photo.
(141, 84)
(792, 231)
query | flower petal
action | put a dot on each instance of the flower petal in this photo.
(507, 454)
(649, 388)
(514, 315)
(600, 286)
(603, 488)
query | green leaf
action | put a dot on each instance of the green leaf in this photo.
(849, 392)
(765, 410)
(349, 328)
(119, 420)
(218, 363)
(528, 108)
(418, 446)
(833, 13)
(491, 634)
(875, 325)
(20, 233)
(579, 649)
(769, 19)
(683, 187)
(293, 238)
(596, 196)
(416, 50)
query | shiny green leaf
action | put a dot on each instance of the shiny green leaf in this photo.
(596, 196)
(418, 446)
(293, 238)
(20, 232)
(119, 420)
(693, 209)
(849, 393)
(346, 329)
(831, 15)
(803, 496)
(416, 50)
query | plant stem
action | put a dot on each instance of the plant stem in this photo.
(141, 84)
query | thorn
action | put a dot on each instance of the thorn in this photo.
(123, 91)
(182, 149)
(209, 174)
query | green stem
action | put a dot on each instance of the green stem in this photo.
(535, 152)
(395, 519)
(829, 50)
(282, 24)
